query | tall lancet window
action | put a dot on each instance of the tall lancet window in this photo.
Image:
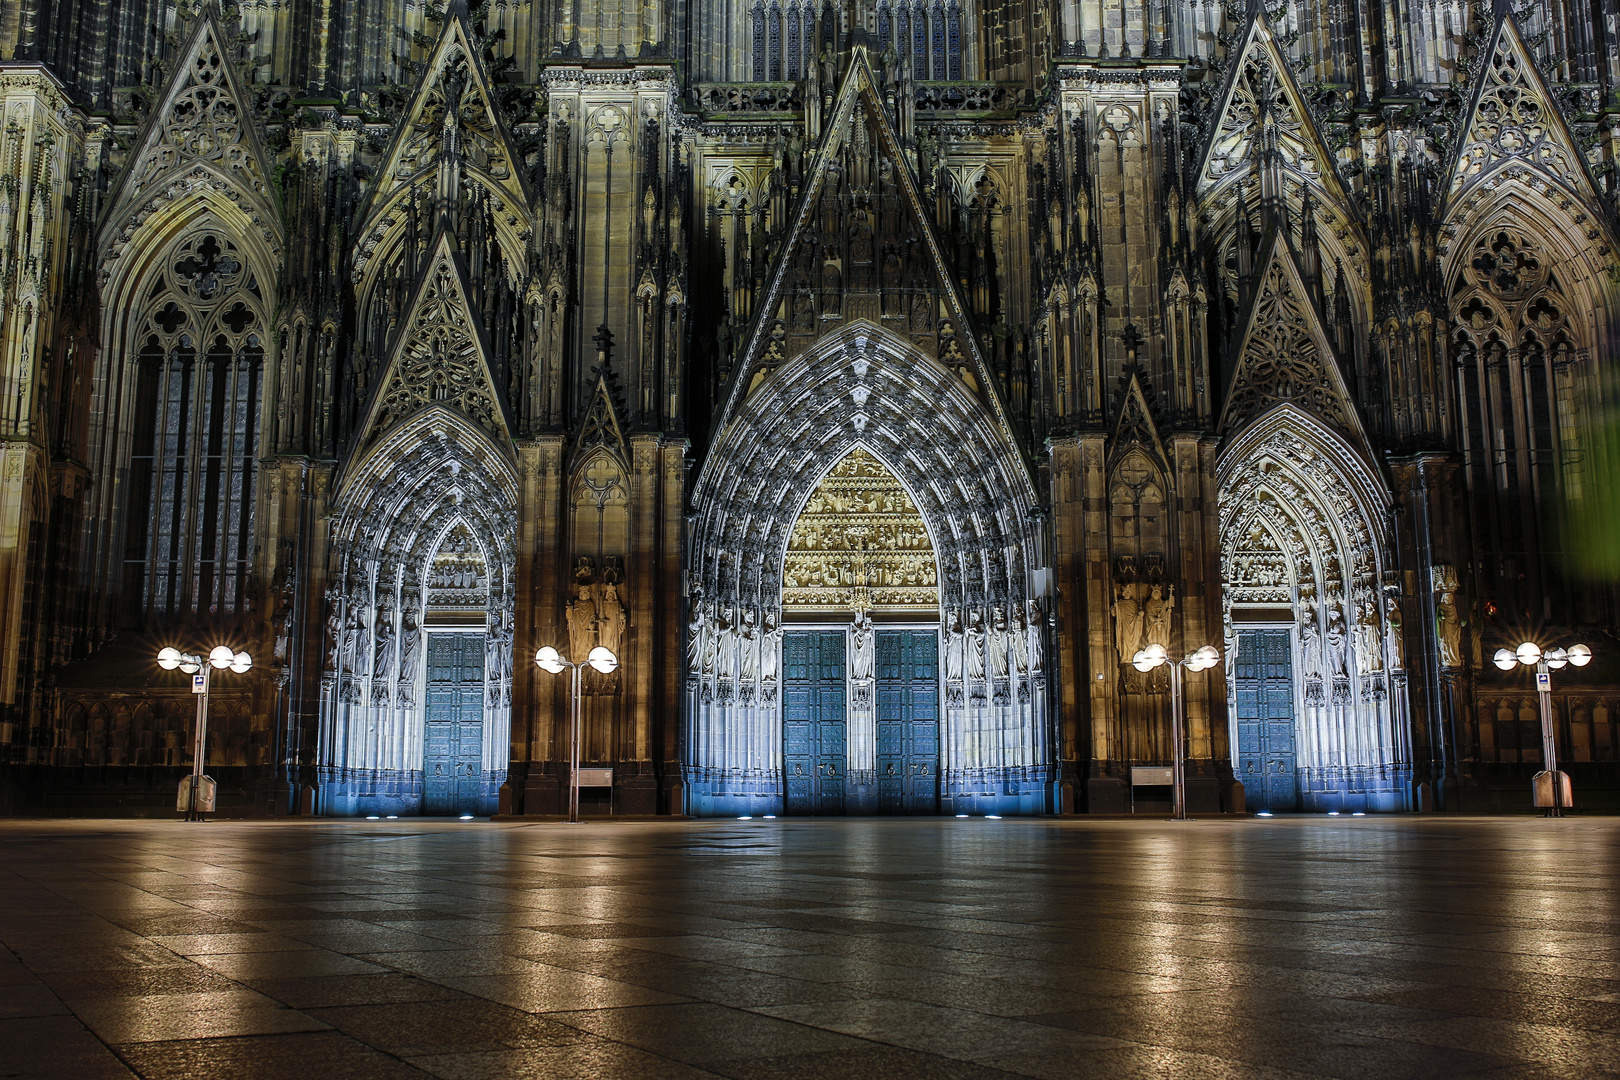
(195, 424)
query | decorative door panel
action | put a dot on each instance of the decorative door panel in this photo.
(1264, 686)
(452, 759)
(908, 721)
(814, 728)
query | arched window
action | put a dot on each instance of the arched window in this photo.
(200, 358)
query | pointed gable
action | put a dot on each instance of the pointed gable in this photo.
(439, 356)
(844, 251)
(454, 106)
(602, 429)
(1134, 425)
(1261, 105)
(1512, 118)
(201, 131)
(1285, 353)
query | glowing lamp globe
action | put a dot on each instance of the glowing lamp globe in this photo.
(1505, 660)
(221, 657)
(549, 659)
(1580, 655)
(1556, 658)
(1155, 653)
(1529, 653)
(241, 662)
(603, 660)
(169, 659)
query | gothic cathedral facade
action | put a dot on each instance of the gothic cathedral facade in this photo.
(875, 379)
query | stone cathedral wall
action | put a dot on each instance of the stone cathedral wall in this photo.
(391, 341)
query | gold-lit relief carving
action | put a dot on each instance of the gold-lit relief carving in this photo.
(860, 544)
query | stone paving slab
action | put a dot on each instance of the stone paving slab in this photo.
(898, 949)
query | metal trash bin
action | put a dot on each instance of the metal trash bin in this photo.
(206, 790)
(1541, 786)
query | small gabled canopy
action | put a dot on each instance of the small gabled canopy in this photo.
(859, 102)
(1513, 119)
(453, 101)
(1286, 354)
(1262, 101)
(601, 429)
(1134, 425)
(439, 356)
(203, 121)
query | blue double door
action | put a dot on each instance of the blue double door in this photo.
(816, 725)
(1263, 684)
(452, 759)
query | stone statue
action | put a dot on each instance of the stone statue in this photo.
(1127, 623)
(610, 618)
(748, 667)
(1037, 638)
(384, 643)
(334, 637)
(354, 632)
(581, 624)
(498, 649)
(862, 651)
(1018, 641)
(996, 643)
(974, 650)
(953, 646)
(1369, 657)
(1448, 630)
(711, 641)
(725, 642)
(1335, 641)
(1392, 636)
(1156, 617)
(1310, 642)
(410, 650)
(697, 638)
(770, 650)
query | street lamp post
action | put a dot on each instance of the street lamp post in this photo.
(1529, 654)
(197, 667)
(601, 659)
(1146, 660)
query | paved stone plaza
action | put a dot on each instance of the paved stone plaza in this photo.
(1355, 948)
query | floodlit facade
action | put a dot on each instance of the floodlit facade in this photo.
(874, 379)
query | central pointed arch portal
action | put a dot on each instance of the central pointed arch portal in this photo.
(864, 632)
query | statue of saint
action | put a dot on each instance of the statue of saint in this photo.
(410, 650)
(862, 651)
(953, 646)
(975, 644)
(1448, 630)
(1156, 616)
(1037, 638)
(1018, 641)
(610, 618)
(1369, 656)
(1127, 623)
(697, 637)
(748, 666)
(995, 646)
(581, 624)
(770, 649)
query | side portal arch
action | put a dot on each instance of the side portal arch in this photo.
(1316, 679)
